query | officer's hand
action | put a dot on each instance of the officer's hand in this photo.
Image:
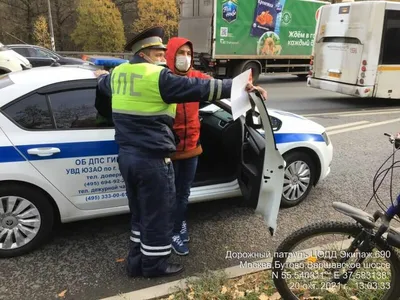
(97, 73)
(250, 88)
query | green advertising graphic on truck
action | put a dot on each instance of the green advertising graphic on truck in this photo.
(269, 36)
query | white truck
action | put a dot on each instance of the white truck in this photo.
(268, 36)
(357, 49)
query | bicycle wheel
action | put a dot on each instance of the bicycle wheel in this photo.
(311, 270)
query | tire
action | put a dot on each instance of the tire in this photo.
(41, 209)
(302, 76)
(351, 229)
(293, 159)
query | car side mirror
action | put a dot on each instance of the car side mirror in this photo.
(253, 119)
(276, 123)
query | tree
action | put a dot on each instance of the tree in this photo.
(64, 21)
(19, 17)
(41, 32)
(99, 26)
(155, 12)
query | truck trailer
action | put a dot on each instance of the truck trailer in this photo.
(268, 36)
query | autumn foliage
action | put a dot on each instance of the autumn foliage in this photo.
(155, 12)
(99, 26)
(41, 32)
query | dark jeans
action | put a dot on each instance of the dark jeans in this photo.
(185, 171)
(150, 189)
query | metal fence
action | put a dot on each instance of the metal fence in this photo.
(123, 55)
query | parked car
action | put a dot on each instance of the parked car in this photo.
(40, 56)
(11, 61)
(58, 163)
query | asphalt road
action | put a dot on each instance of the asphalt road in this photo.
(82, 257)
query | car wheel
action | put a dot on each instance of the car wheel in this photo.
(26, 219)
(298, 179)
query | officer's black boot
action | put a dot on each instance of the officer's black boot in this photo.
(134, 260)
(165, 269)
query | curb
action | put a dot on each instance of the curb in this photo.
(163, 290)
(168, 288)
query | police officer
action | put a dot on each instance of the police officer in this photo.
(143, 110)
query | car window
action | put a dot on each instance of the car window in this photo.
(74, 108)
(31, 112)
(22, 51)
(40, 53)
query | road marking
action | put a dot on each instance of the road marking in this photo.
(352, 112)
(345, 125)
(363, 126)
(370, 113)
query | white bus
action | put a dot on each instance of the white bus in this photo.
(357, 49)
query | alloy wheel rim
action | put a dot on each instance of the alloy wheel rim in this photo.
(296, 180)
(20, 222)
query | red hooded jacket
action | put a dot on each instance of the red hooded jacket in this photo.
(187, 121)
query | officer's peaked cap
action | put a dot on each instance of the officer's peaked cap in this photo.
(150, 38)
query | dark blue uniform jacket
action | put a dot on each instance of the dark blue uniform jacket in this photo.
(154, 135)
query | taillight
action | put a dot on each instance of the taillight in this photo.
(311, 72)
(363, 70)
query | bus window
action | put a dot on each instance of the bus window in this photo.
(390, 38)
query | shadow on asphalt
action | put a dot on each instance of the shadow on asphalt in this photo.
(120, 223)
(279, 79)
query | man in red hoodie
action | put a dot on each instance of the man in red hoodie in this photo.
(179, 58)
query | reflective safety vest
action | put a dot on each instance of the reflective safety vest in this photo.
(135, 91)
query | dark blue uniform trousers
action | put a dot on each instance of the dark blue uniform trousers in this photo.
(150, 189)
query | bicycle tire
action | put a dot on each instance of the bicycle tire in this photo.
(352, 229)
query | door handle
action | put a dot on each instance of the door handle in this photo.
(44, 151)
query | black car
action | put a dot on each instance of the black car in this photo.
(40, 56)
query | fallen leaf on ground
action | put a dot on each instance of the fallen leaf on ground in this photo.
(311, 259)
(62, 294)
(275, 296)
(224, 290)
(171, 297)
(191, 295)
(120, 259)
(238, 294)
(263, 297)
(354, 298)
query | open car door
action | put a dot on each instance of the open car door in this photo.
(261, 170)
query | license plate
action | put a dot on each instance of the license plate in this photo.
(336, 75)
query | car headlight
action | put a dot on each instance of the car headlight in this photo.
(326, 138)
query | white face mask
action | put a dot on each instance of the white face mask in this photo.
(182, 63)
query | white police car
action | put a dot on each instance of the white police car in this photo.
(58, 164)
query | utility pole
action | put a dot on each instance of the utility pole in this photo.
(53, 45)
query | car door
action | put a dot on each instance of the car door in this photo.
(261, 171)
(56, 130)
(40, 58)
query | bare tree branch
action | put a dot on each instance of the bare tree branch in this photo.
(62, 20)
(12, 4)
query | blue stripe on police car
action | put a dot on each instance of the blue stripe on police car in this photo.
(103, 148)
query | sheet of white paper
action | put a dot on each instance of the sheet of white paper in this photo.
(240, 103)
